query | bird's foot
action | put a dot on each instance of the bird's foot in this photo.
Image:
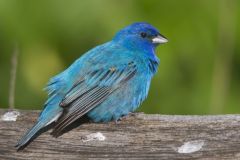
(117, 121)
(124, 117)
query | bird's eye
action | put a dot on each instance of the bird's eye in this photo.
(143, 34)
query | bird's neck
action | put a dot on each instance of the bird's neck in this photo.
(146, 49)
(147, 54)
(151, 60)
(153, 65)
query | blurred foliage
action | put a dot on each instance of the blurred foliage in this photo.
(200, 66)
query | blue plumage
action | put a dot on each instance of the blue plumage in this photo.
(106, 83)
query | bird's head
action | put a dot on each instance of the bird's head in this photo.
(140, 36)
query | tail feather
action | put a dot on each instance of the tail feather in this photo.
(30, 135)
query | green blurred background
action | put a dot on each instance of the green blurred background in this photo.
(200, 66)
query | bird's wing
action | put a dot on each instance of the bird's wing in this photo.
(91, 90)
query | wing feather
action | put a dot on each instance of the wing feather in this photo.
(91, 91)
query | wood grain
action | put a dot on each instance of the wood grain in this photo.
(140, 136)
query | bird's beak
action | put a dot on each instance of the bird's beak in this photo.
(159, 39)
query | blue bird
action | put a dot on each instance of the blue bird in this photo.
(105, 84)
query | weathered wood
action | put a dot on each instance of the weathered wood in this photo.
(139, 136)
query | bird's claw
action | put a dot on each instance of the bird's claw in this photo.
(117, 121)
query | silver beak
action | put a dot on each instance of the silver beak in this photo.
(159, 39)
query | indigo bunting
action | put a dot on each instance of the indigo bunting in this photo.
(106, 83)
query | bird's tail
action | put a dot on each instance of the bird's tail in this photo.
(30, 135)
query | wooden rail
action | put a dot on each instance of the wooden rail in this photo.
(139, 136)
